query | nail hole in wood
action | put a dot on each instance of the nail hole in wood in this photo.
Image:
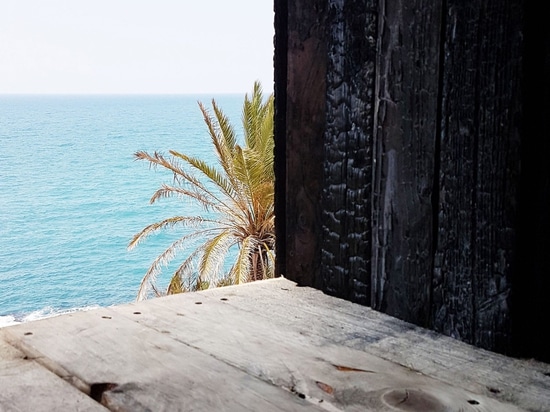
(97, 390)
(300, 395)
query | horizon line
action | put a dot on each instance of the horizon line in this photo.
(119, 94)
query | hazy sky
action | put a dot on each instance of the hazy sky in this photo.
(135, 46)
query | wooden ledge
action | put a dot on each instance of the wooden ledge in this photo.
(263, 346)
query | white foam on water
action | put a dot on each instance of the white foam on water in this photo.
(47, 312)
(8, 321)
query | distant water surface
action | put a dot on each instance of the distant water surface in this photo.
(71, 195)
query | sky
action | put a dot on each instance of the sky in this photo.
(135, 46)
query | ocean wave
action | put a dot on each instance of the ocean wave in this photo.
(47, 312)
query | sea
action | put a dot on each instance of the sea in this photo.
(72, 195)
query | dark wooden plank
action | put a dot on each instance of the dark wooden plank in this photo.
(531, 282)
(453, 288)
(480, 166)
(346, 211)
(279, 130)
(305, 120)
(405, 158)
(498, 171)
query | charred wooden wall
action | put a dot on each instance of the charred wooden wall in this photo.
(404, 161)
(347, 162)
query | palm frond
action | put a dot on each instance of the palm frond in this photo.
(211, 173)
(148, 281)
(187, 274)
(214, 251)
(226, 134)
(164, 224)
(269, 263)
(205, 199)
(164, 258)
(241, 270)
(222, 136)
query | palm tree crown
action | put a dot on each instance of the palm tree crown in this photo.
(236, 194)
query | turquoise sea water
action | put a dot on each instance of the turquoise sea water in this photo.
(72, 197)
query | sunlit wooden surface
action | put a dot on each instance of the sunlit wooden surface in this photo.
(264, 346)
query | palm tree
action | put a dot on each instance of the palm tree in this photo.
(236, 195)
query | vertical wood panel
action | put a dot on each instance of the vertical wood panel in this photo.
(280, 66)
(453, 288)
(480, 170)
(498, 170)
(405, 152)
(346, 243)
(531, 281)
(305, 125)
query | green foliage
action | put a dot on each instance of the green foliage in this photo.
(237, 196)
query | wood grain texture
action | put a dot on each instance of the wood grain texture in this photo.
(146, 370)
(272, 345)
(405, 158)
(523, 382)
(25, 385)
(346, 206)
(480, 169)
(305, 123)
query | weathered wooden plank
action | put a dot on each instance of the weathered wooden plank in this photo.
(405, 158)
(332, 375)
(25, 385)
(142, 369)
(279, 347)
(525, 383)
(346, 211)
(324, 372)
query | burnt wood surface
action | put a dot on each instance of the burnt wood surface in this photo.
(415, 171)
(406, 150)
(479, 174)
(346, 223)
